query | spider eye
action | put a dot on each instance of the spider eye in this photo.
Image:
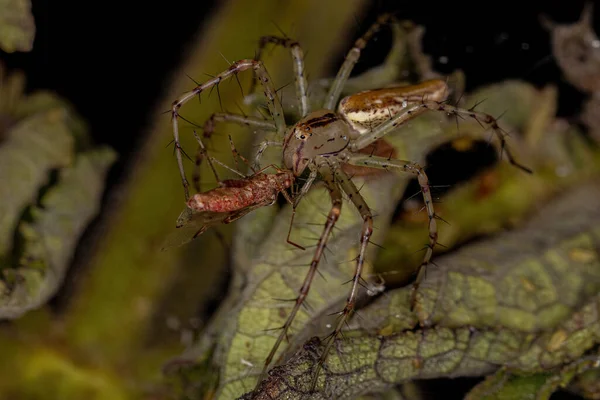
(302, 137)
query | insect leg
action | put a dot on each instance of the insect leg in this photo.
(351, 58)
(415, 169)
(239, 214)
(299, 69)
(332, 217)
(273, 103)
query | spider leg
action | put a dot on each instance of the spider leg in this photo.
(237, 154)
(273, 103)
(332, 217)
(243, 120)
(306, 186)
(200, 155)
(415, 169)
(261, 149)
(412, 110)
(385, 74)
(482, 118)
(299, 70)
(351, 59)
(253, 122)
(365, 235)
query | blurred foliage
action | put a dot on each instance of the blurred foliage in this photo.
(577, 53)
(17, 28)
(575, 48)
(52, 183)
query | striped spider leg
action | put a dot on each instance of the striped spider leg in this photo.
(297, 54)
(273, 102)
(301, 85)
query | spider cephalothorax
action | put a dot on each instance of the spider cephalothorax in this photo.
(320, 134)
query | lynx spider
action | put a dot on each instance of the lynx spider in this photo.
(324, 140)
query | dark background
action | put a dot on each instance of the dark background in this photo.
(92, 52)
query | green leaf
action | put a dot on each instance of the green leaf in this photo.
(386, 346)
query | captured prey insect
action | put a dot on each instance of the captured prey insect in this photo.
(231, 200)
(325, 141)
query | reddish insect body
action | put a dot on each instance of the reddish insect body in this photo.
(229, 202)
(238, 194)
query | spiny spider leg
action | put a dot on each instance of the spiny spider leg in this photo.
(262, 146)
(273, 104)
(237, 154)
(351, 59)
(243, 120)
(412, 110)
(200, 155)
(332, 217)
(365, 235)
(415, 169)
(299, 71)
(306, 186)
(253, 122)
